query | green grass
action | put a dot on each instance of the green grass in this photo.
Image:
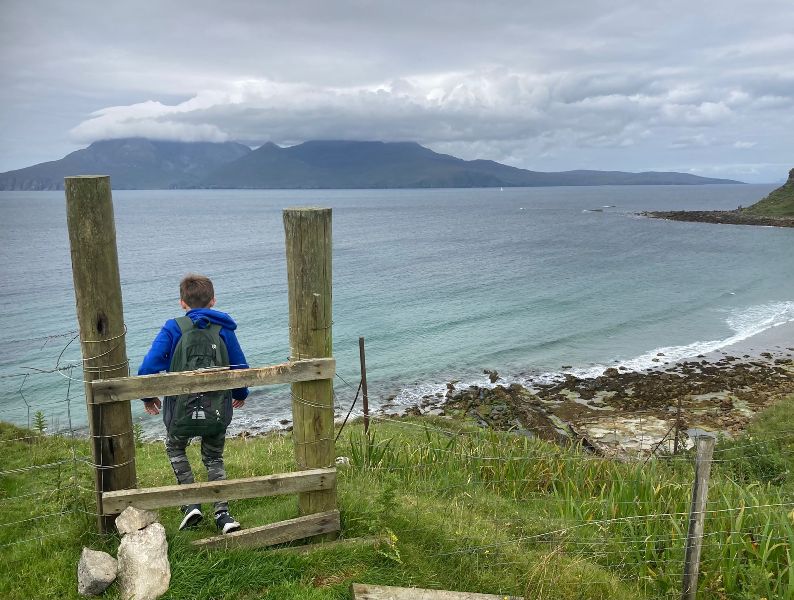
(779, 203)
(466, 509)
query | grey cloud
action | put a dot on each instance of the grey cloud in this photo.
(601, 84)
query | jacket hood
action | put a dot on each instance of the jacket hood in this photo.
(204, 316)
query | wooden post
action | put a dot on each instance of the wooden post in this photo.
(97, 290)
(308, 243)
(677, 426)
(697, 515)
(365, 397)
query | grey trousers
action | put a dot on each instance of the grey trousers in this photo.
(211, 456)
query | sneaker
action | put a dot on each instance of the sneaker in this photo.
(192, 517)
(225, 522)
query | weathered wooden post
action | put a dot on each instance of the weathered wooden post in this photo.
(308, 243)
(97, 290)
(697, 515)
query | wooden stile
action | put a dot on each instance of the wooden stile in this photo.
(171, 384)
(97, 289)
(109, 389)
(211, 491)
(276, 533)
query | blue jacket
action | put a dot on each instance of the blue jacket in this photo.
(158, 359)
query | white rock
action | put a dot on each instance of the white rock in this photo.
(144, 570)
(133, 519)
(95, 572)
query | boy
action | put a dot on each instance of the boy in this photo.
(197, 297)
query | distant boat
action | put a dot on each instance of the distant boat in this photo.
(501, 189)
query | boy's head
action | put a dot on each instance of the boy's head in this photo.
(196, 291)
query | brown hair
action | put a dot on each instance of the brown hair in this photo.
(196, 290)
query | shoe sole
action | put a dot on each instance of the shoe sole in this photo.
(230, 527)
(191, 519)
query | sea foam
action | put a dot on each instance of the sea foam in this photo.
(744, 324)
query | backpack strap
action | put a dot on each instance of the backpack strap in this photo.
(185, 324)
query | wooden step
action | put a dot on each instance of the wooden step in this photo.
(348, 545)
(210, 491)
(362, 591)
(276, 533)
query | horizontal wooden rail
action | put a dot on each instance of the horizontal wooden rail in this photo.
(276, 533)
(210, 491)
(187, 382)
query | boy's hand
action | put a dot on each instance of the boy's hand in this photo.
(238, 403)
(152, 406)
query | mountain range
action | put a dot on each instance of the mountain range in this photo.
(138, 163)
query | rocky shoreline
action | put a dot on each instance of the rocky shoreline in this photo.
(627, 414)
(725, 217)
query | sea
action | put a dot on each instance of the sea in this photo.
(443, 284)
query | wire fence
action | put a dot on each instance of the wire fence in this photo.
(626, 517)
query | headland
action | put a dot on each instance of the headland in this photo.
(775, 210)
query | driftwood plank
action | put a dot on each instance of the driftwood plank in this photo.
(171, 384)
(362, 591)
(210, 491)
(276, 533)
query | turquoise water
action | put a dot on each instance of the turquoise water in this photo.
(441, 283)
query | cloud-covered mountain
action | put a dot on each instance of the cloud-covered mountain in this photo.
(132, 163)
(144, 164)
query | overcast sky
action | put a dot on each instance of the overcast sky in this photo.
(698, 86)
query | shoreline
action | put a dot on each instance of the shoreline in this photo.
(615, 411)
(628, 414)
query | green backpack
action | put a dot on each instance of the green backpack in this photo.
(199, 413)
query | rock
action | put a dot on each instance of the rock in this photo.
(133, 519)
(144, 570)
(342, 461)
(611, 372)
(493, 376)
(95, 572)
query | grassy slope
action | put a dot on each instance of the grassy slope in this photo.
(478, 511)
(779, 203)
